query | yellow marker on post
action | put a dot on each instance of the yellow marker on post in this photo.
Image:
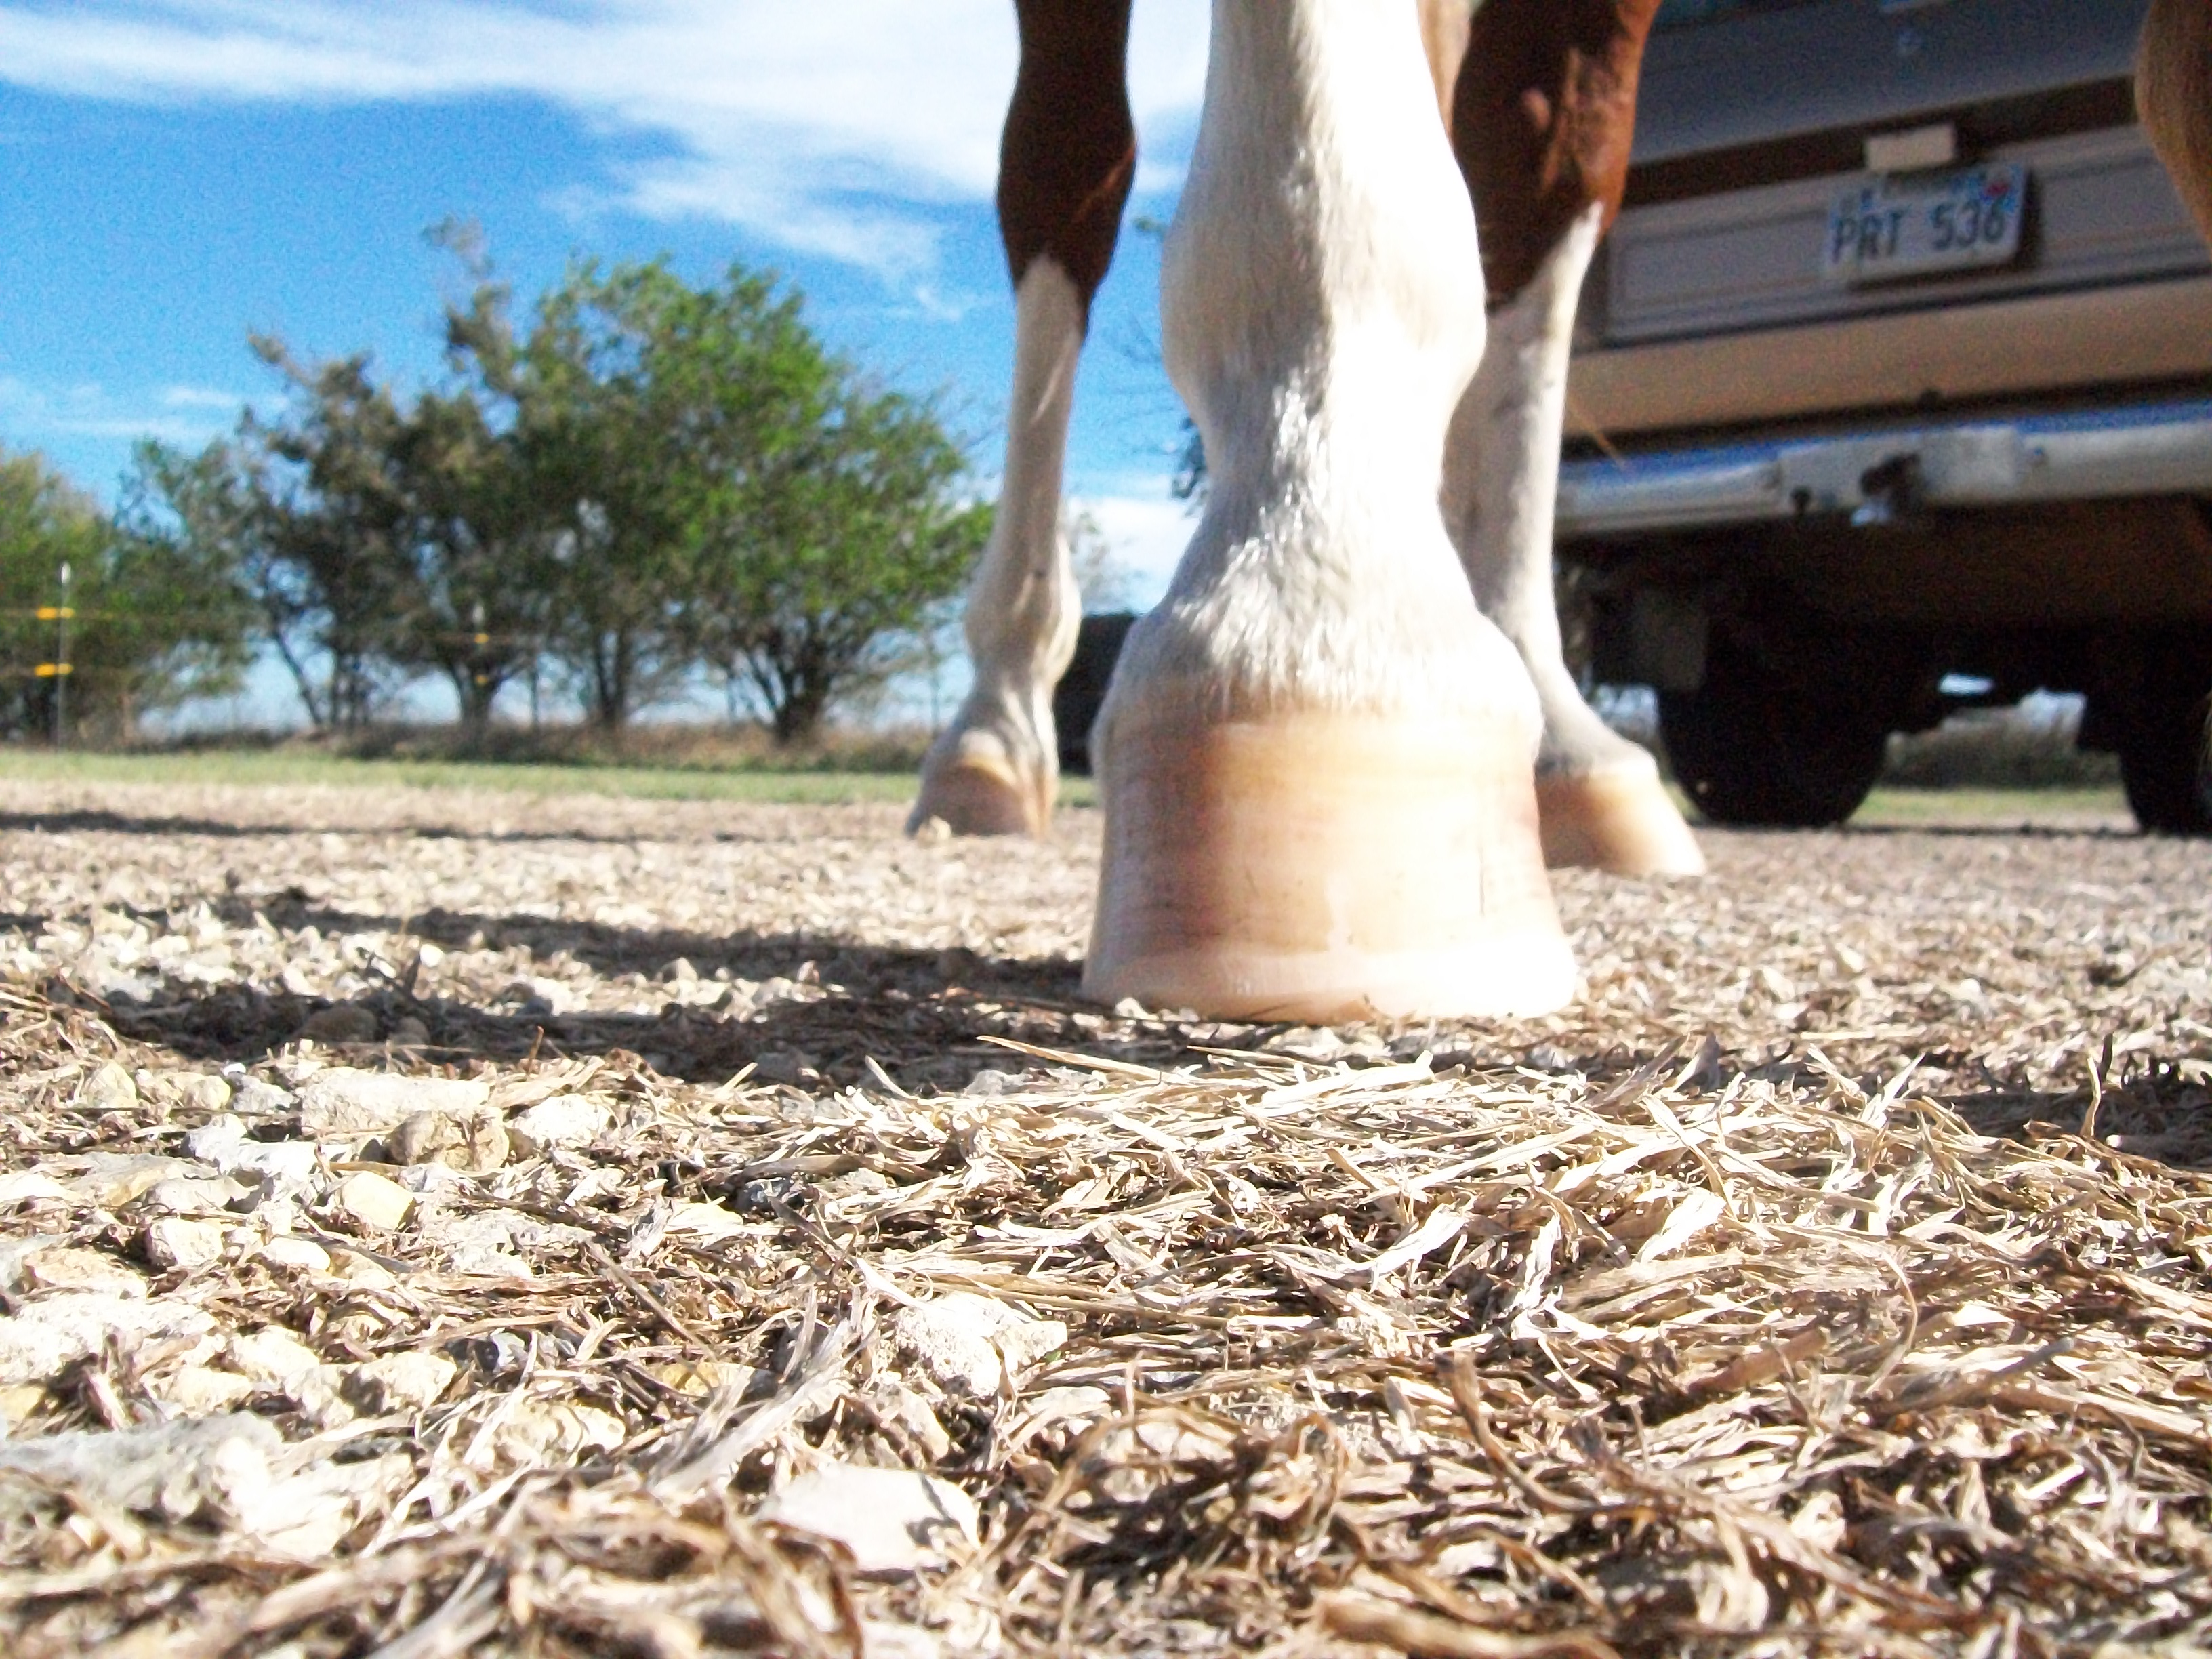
(56, 613)
(53, 671)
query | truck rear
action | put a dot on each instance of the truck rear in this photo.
(1892, 396)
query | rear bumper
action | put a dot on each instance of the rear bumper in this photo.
(2103, 337)
(2150, 449)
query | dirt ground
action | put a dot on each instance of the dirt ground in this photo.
(1835, 1272)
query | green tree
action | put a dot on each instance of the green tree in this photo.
(840, 549)
(475, 586)
(325, 485)
(155, 623)
(588, 411)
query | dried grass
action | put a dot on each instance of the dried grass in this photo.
(1833, 1278)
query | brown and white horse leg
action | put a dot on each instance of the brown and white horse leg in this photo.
(1600, 795)
(1315, 759)
(1065, 165)
(1543, 113)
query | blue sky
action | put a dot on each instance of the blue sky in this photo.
(174, 172)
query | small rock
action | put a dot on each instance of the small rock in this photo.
(374, 1202)
(17, 1402)
(175, 1242)
(680, 972)
(477, 1143)
(112, 1180)
(217, 1141)
(203, 1093)
(400, 1383)
(14, 1251)
(52, 1332)
(31, 1187)
(989, 1081)
(971, 1344)
(201, 1390)
(894, 1521)
(66, 1267)
(344, 1102)
(409, 1032)
(301, 1255)
(365, 1272)
(271, 1355)
(252, 1097)
(110, 1089)
(558, 1121)
(900, 1408)
(341, 1022)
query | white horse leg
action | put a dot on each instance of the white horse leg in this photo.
(1599, 797)
(995, 769)
(1316, 757)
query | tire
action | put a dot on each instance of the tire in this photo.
(1770, 741)
(2164, 734)
(1081, 692)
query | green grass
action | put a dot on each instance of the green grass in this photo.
(284, 768)
(1931, 808)
(297, 767)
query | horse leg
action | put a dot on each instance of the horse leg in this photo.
(1066, 161)
(1315, 758)
(1543, 117)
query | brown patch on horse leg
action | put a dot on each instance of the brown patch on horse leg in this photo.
(2174, 90)
(1542, 117)
(1065, 163)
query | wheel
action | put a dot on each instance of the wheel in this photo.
(1082, 690)
(2166, 764)
(1783, 734)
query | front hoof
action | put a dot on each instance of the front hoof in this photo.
(1621, 821)
(1322, 868)
(978, 795)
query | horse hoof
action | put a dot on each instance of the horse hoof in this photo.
(1323, 867)
(1622, 822)
(978, 795)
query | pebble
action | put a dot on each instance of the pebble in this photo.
(302, 1255)
(177, 1241)
(400, 1383)
(68, 1267)
(111, 1180)
(558, 1121)
(971, 1344)
(201, 1390)
(203, 1093)
(109, 1089)
(477, 1143)
(374, 1202)
(271, 1354)
(344, 1102)
(894, 1521)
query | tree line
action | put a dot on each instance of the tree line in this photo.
(639, 482)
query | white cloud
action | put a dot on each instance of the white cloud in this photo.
(1147, 532)
(182, 415)
(829, 126)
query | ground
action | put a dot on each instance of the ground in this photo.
(437, 1220)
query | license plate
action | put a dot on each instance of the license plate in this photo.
(1910, 224)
